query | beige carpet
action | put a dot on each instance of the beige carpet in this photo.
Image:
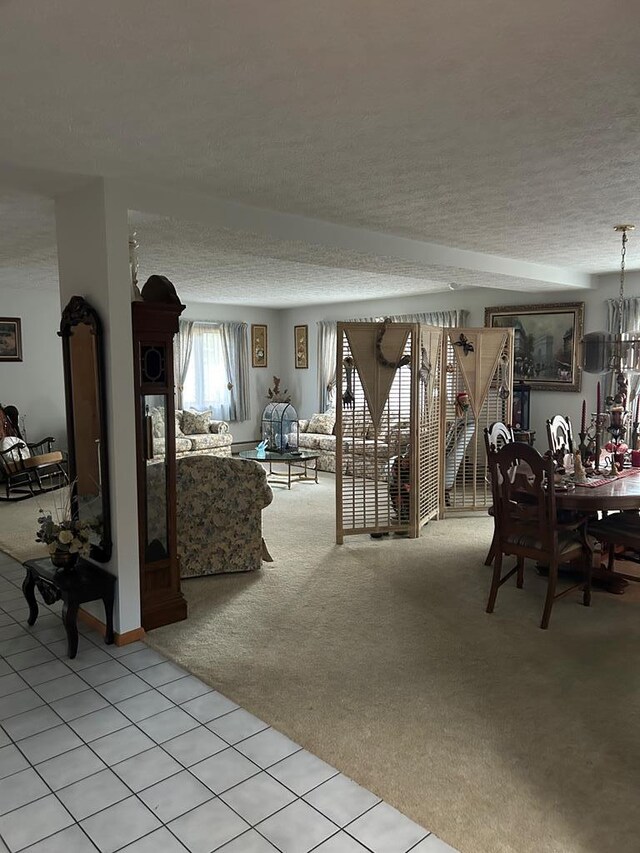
(378, 656)
(19, 522)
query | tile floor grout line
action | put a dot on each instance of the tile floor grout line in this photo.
(161, 745)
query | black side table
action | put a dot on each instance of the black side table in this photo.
(85, 582)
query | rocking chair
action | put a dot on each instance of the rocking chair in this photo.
(28, 468)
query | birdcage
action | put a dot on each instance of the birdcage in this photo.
(280, 427)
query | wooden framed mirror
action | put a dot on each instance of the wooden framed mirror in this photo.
(82, 345)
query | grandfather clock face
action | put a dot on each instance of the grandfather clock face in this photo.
(153, 364)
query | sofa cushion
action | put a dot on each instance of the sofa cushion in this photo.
(183, 445)
(322, 423)
(157, 421)
(317, 441)
(204, 442)
(179, 422)
(195, 423)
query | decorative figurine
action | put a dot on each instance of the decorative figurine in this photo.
(579, 474)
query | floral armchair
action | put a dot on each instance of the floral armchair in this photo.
(219, 514)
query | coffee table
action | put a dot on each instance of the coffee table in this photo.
(301, 459)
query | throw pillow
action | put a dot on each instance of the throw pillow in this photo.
(322, 423)
(195, 423)
(179, 422)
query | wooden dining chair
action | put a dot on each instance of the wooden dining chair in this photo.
(496, 435)
(527, 526)
(27, 468)
(620, 528)
(560, 437)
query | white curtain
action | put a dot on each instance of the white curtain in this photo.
(630, 323)
(182, 354)
(234, 342)
(447, 319)
(328, 344)
(216, 375)
(327, 349)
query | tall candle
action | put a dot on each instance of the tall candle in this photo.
(598, 399)
(637, 408)
(583, 422)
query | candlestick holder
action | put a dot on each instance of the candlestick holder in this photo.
(598, 420)
(585, 447)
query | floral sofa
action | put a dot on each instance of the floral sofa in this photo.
(196, 434)
(362, 454)
(219, 514)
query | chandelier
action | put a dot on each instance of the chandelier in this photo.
(618, 352)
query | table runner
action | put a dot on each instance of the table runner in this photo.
(593, 484)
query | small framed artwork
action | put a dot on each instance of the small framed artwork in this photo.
(300, 336)
(258, 345)
(10, 339)
(546, 343)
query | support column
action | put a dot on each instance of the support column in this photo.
(93, 262)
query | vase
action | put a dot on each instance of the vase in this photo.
(64, 559)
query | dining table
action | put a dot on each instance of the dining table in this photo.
(611, 494)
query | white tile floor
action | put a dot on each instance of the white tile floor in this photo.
(121, 750)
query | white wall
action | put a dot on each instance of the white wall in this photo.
(260, 378)
(36, 384)
(544, 404)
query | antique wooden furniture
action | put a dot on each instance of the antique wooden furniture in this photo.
(560, 437)
(621, 528)
(27, 468)
(85, 582)
(619, 495)
(154, 325)
(496, 435)
(526, 523)
(84, 381)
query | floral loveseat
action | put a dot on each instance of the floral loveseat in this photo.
(196, 434)
(219, 514)
(362, 454)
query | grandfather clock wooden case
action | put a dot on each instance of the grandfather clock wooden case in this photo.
(154, 327)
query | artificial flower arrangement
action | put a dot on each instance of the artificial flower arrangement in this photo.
(64, 534)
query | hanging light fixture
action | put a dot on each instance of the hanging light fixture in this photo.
(620, 351)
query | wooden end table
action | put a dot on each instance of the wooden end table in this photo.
(85, 582)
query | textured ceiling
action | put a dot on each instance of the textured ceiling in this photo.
(500, 127)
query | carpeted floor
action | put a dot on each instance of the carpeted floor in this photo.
(377, 656)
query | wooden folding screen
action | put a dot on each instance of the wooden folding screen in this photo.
(388, 425)
(477, 385)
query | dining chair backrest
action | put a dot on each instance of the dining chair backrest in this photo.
(522, 503)
(497, 434)
(560, 437)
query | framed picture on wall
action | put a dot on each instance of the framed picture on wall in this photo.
(301, 343)
(258, 345)
(10, 339)
(546, 343)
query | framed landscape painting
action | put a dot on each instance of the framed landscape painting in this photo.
(547, 343)
(258, 345)
(10, 339)
(300, 336)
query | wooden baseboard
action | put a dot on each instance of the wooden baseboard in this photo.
(119, 639)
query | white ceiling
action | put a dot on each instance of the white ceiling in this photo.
(499, 127)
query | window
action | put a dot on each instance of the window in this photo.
(216, 376)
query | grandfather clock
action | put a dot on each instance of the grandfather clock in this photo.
(155, 322)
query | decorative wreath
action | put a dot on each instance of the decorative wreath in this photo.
(402, 361)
